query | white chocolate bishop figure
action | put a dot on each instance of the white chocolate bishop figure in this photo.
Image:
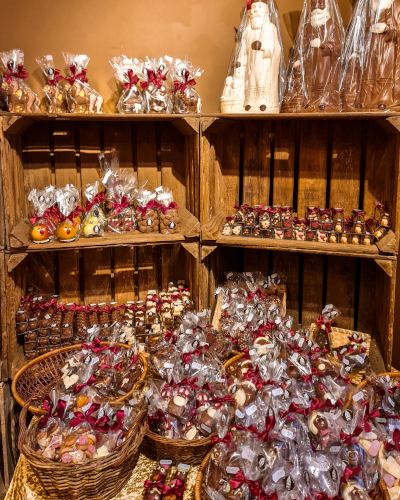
(254, 86)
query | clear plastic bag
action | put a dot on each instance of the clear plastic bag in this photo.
(168, 211)
(156, 91)
(19, 96)
(44, 220)
(314, 68)
(55, 93)
(94, 221)
(80, 97)
(70, 220)
(185, 98)
(147, 213)
(129, 72)
(255, 78)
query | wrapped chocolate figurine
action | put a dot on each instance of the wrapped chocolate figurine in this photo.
(313, 73)
(147, 213)
(94, 222)
(156, 92)
(255, 77)
(19, 96)
(185, 97)
(44, 221)
(55, 93)
(80, 97)
(168, 211)
(68, 205)
(129, 72)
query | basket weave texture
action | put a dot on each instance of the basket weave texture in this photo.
(98, 479)
(41, 374)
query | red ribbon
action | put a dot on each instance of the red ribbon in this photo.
(123, 204)
(396, 439)
(239, 479)
(182, 85)
(119, 421)
(190, 383)
(79, 387)
(346, 438)
(375, 413)
(293, 408)
(392, 389)
(20, 74)
(57, 78)
(188, 355)
(227, 439)
(81, 76)
(150, 204)
(99, 198)
(151, 78)
(81, 417)
(328, 324)
(94, 346)
(170, 336)
(75, 213)
(176, 488)
(117, 367)
(225, 399)
(60, 409)
(48, 406)
(248, 4)
(358, 212)
(349, 473)
(171, 206)
(155, 484)
(133, 80)
(336, 211)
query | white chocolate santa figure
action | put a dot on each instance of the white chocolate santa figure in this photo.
(254, 81)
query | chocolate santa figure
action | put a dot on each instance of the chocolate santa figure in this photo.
(317, 55)
(255, 78)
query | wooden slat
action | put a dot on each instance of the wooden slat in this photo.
(118, 136)
(173, 162)
(379, 169)
(288, 265)
(3, 320)
(256, 260)
(284, 163)
(346, 166)
(341, 289)
(312, 166)
(69, 276)
(370, 293)
(313, 270)
(64, 154)
(89, 139)
(97, 275)
(256, 166)
(147, 270)
(147, 155)
(124, 274)
(207, 182)
(9, 437)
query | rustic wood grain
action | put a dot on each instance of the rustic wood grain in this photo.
(97, 275)
(341, 289)
(312, 304)
(284, 163)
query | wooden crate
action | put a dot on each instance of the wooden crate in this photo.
(89, 276)
(42, 150)
(332, 160)
(9, 414)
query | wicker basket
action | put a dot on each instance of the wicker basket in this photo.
(198, 489)
(98, 479)
(41, 374)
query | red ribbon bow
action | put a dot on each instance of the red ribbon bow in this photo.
(154, 484)
(190, 383)
(357, 212)
(227, 439)
(182, 85)
(170, 336)
(57, 78)
(226, 399)
(99, 198)
(176, 488)
(396, 440)
(328, 324)
(117, 367)
(199, 350)
(119, 423)
(346, 438)
(81, 76)
(150, 204)
(349, 473)
(48, 406)
(240, 479)
(81, 417)
(293, 408)
(123, 204)
(133, 80)
(336, 211)
(375, 413)
(20, 74)
(94, 346)
(79, 387)
(171, 206)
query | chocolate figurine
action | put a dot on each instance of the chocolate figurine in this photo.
(313, 83)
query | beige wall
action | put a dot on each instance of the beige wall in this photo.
(201, 29)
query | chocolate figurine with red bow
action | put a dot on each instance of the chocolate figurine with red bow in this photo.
(80, 97)
(156, 91)
(45, 218)
(55, 93)
(129, 72)
(94, 222)
(19, 96)
(185, 97)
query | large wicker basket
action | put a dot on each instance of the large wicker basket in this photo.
(41, 374)
(98, 479)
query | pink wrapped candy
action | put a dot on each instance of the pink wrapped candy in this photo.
(66, 458)
(92, 449)
(83, 440)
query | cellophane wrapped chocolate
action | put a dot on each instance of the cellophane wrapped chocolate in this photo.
(155, 86)
(129, 72)
(81, 98)
(255, 79)
(94, 221)
(68, 204)
(148, 218)
(20, 97)
(168, 211)
(45, 219)
(185, 98)
(55, 93)
(314, 68)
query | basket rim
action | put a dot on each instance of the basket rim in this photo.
(179, 442)
(39, 411)
(233, 360)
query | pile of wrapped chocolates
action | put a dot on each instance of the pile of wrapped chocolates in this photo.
(156, 86)
(167, 481)
(80, 423)
(124, 207)
(322, 225)
(48, 324)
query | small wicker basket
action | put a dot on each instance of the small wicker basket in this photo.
(41, 374)
(98, 479)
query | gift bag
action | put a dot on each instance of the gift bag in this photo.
(94, 221)
(184, 96)
(156, 92)
(55, 93)
(129, 72)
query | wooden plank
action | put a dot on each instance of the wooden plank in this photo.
(118, 136)
(37, 163)
(346, 166)
(97, 275)
(89, 139)
(124, 274)
(69, 276)
(256, 163)
(312, 165)
(173, 163)
(379, 169)
(284, 163)
(147, 156)
(3, 320)
(207, 183)
(369, 297)
(147, 270)
(341, 289)
(288, 265)
(386, 314)
(312, 293)
(256, 260)
(9, 436)
(64, 154)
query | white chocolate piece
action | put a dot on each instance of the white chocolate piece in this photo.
(191, 433)
(102, 451)
(70, 381)
(211, 412)
(240, 397)
(394, 492)
(392, 467)
(180, 401)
